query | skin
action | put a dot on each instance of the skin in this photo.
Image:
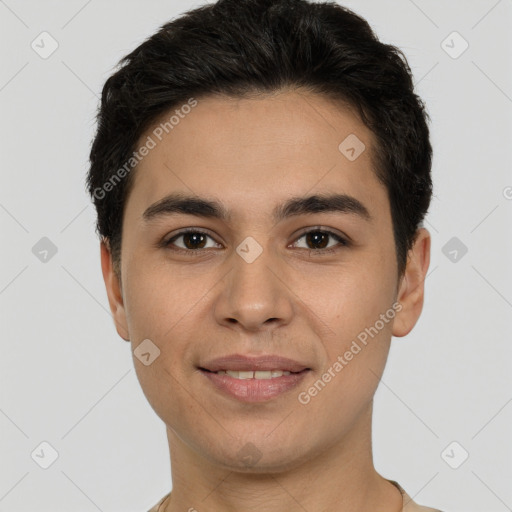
(253, 154)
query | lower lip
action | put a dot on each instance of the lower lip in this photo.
(255, 390)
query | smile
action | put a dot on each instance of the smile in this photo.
(262, 374)
(253, 386)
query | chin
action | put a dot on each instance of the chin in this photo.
(265, 457)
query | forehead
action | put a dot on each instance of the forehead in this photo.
(248, 151)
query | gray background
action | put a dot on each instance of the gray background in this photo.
(68, 379)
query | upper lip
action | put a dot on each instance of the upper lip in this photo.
(239, 362)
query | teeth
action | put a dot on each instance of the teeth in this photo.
(260, 374)
(263, 375)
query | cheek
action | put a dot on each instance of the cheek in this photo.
(160, 308)
(165, 305)
(356, 347)
(156, 298)
(352, 298)
(352, 307)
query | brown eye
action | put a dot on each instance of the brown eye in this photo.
(194, 240)
(191, 240)
(317, 239)
(320, 240)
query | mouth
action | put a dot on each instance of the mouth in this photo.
(255, 374)
(253, 386)
(244, 364)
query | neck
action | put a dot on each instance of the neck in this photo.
(340, 478)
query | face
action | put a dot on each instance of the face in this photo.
(262, 273)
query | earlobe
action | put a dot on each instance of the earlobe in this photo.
(114, 293)
(412, 290)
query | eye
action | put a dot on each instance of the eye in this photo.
(318, 240)
(193, 240)
(190, 240)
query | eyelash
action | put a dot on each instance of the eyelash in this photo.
(343, 242)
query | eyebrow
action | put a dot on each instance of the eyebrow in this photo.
(177, 203)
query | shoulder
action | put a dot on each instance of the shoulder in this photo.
(414, 507)
(157, 505)
(409, 504)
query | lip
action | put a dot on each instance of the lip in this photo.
(240, 362)
(254, 390)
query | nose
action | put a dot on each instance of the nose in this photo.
(254, 295)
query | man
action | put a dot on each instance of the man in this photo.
(260, 172)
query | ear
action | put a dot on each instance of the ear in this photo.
(114, 292)
(411, 291)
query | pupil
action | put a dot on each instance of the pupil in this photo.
(314, 236)
(196, 237)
